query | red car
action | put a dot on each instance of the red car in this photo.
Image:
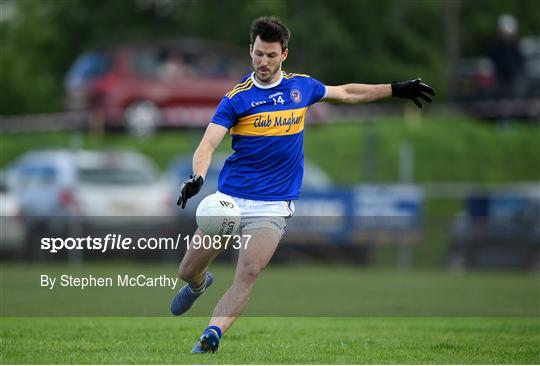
(141, 86)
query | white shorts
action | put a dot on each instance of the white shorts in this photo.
(263, 214)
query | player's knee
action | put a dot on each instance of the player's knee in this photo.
(250, 272)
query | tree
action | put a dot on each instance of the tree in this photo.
(336, 42)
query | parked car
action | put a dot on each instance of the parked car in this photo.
(498, 230)
(64, 192)
(89, 183)
(12, 231)
(474, 86)
(144, 85)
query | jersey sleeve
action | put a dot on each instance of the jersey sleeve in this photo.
(318, 91)
(225, 115)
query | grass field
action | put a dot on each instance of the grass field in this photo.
(444, 149)
(326, 290)
(387, 317)
(273, 340)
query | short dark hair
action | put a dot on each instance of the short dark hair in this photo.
(270, 29)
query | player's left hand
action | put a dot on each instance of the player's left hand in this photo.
(412, 89)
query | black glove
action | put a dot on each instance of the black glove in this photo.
(412, 89)
(189, 188)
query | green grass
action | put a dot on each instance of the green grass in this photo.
(326, 290)
(444, 149)
(387, 317)
(296, 340)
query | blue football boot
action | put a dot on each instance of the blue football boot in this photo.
(208, 343)
(185, 298)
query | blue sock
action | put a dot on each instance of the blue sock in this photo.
(214, 328)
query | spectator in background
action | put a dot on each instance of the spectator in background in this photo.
(507, 59)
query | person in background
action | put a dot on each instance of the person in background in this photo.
(507, 59)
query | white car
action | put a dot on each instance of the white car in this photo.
(93, 185)
(11, 225)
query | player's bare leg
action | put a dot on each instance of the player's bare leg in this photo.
(252, 259)
(196, 261)
(193, 270)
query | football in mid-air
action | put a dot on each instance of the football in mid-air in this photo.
(218, 215)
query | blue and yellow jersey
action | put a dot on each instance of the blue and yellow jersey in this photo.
(267, 128)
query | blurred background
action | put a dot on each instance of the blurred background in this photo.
(103, 104)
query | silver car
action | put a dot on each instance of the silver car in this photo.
(91, 185)
(11, 225)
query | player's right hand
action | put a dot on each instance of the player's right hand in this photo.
(189, 188)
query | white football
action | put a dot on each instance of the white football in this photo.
(218, 215)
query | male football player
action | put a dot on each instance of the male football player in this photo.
(265, 114)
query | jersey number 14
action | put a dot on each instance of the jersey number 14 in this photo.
(278, 100)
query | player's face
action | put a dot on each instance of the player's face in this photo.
(267, 58)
